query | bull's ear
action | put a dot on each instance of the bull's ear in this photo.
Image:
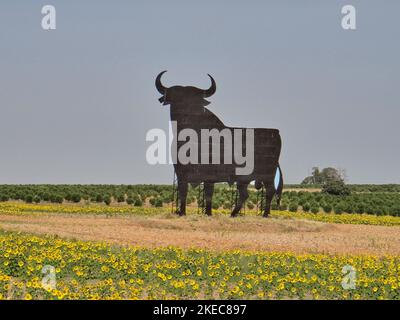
(205, 102)
(162, 99)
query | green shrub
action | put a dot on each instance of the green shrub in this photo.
(216, 205)
(337, 188)
(56, 198)
(338, 209)
(370, 210)
(306, 207)
(283, 206)
(359, 208)
(107, 200)
(293, 207)
(158, 203)
(121, 198)
(250, 205)
(327, 207)
(75, 198)
(314, 209)
(396, 210)
(227, 205)
(274, 206)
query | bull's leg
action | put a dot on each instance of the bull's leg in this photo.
(182, 189)
(243, 195)
(208, 193)
(269, 194)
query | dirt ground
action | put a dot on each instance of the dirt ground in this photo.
(216, 233)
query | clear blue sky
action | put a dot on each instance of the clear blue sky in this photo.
(76, 102)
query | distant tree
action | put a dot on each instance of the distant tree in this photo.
(314, 178)
(325, 175)
(331, 174)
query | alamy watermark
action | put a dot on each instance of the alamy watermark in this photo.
(197, 145)
(17, 289)
(49, 18)
(49, 280)
(349, 18)
(349, 280)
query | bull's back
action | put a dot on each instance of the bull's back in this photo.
(266, 151)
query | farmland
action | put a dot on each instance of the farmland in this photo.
(374, 200)
(120, 249)
(100, 271)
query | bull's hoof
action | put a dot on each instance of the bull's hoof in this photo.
(234, 214)
(179, 213)
(265, 215)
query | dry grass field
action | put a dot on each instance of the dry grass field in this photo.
(215, 233)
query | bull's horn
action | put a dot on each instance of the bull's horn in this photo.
(209, 92)
(161, 89)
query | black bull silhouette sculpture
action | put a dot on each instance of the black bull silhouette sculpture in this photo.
(187, 109)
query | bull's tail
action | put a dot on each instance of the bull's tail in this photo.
(279, 188)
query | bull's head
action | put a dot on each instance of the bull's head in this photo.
(189, 96)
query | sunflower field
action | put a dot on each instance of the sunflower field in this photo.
(18, 208)
(90, 270)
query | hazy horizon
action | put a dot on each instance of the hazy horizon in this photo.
(76, 102)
